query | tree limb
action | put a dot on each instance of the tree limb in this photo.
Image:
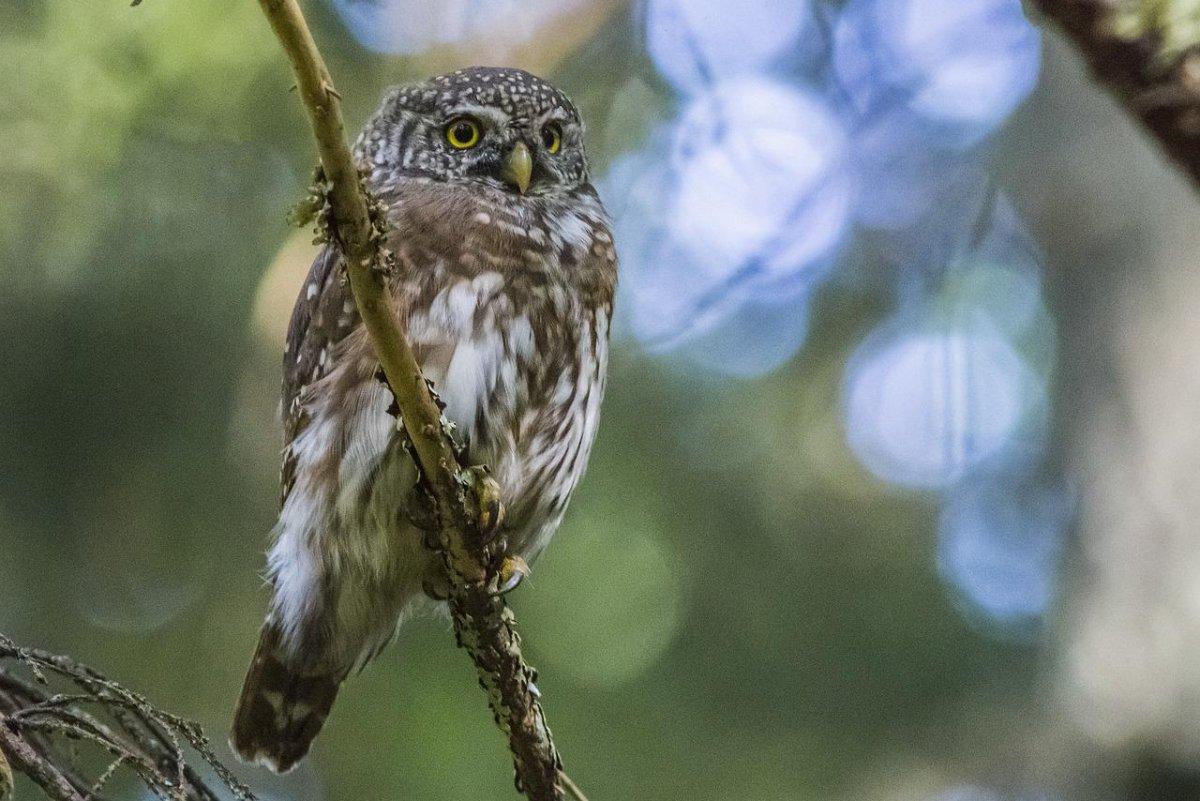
(6, 775)
(1147, 53)
(40, 725)
(28, 761)
(483, 624)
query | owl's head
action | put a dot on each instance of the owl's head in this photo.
(495, 126)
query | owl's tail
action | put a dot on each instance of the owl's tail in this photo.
(280, 710)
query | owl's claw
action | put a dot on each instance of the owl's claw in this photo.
(513, 571)
(489, 508)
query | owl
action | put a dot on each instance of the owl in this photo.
(503, 281)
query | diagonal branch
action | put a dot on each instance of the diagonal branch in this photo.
(483, 624)
(1147, 53)
(27, 760)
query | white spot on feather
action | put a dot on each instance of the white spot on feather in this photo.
(454, 309)
(487, 284)
(572, 230)
(472, 375)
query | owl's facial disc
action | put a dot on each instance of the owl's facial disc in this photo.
(496, 127)
(517, 153)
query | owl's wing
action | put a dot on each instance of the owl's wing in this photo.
(323, 316)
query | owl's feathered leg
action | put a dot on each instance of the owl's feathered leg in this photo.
(280, 709)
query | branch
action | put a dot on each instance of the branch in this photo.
(40, 726)
(27, 760)
(1147, 53)
(465, 500)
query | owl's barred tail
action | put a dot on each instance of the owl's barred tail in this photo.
(280, 711)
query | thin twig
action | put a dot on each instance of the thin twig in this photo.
(24, 758)
(572, 788)
(483, 624)
(103, 778)
(39, 726)
(6, 778)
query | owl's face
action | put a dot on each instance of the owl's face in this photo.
(498, 127)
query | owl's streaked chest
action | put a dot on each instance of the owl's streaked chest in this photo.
(509, 330)
(521, 371)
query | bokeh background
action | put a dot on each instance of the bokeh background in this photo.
(896, 492)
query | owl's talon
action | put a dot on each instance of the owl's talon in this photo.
(490, 517)
(513, 571)
(489, 508)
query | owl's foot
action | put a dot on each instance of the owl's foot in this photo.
(513, 571)
(484, 493)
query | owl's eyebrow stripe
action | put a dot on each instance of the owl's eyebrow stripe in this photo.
(557, 115)
(488, 113)
(498, 117)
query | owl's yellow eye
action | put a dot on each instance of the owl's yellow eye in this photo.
(462, 133)
(552, 137)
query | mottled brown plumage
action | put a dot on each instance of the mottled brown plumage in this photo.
(504, 283)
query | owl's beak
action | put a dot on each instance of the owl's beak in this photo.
(518, 167)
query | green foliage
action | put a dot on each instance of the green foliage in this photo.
(84, 84)
(1174, 23)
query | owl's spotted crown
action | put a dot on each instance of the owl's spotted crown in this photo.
(513, 91)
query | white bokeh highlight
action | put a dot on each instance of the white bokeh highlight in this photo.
(924, 408)
(696, 43)
(999, 549)
(727, 221)
(406, 27)
(958, 68)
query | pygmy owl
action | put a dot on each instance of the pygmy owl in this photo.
(504, 281)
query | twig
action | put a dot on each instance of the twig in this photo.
(24, 758)
(39, 725)
(573, 788)
(483, 623)
(1147, 54)
(6, 778)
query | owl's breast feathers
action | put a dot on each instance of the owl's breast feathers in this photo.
(507, 302)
